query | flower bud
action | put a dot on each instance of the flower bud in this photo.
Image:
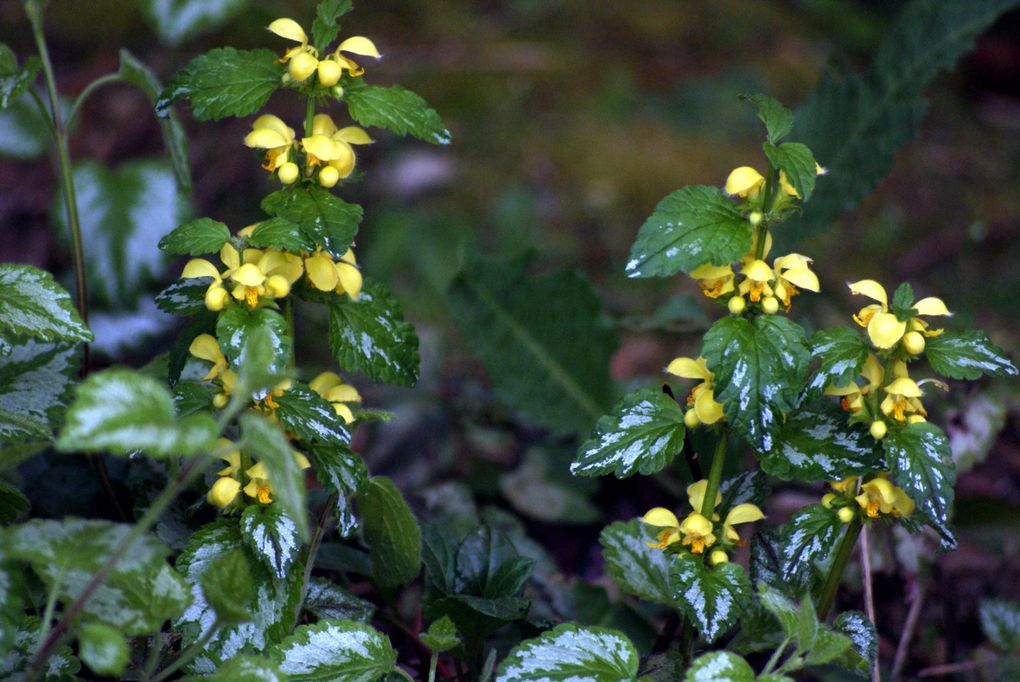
(289, 173)
(301, 66)
(278, 286)
(328, 176)
(827, 499)
(755, 218)
(691, 419)
(913, 342)
(216, 298)
(718, 557)
(329, 73)
(736, 305)
(770, 305)
(220, 400)
(878, 429)
(845, 514)
(223, 492)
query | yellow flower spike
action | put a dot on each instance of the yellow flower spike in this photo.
(743, 181)
(223, 492)
(877, 496)
(206, 347)
(741, 513)
(697, 533)
(321, 271)
(276, 137)
(289, 29)
(714, 280)
(884, 329)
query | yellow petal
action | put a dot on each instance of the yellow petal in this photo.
(743, 513)
(289, 29)
(359, 45)
(322, 124)
(689, 368)
(787, 187)
(302, 66)
(849, 389)
(344, 412)
(258, 471)
(743, 181)
(344, 393)
(904, 386)
(880, 488)
(350, 279)
(348, 257)
(344, 159)
(263, 138)
(353, 135)
(871, 289)
(902, 504)
(696, 494)
(757, 271)
(322, 147)
(931, 306)
(697, 525)
(301, 460)
(709, 271)
(206, 347)
(873, 372)
(325, 382)
(885, 329)
(223, 492)
(321, 271)
(249, 275)
(791, 260)
(198, 267)
(707, 409)
(802, 277)
(661, 517)
(230, 257)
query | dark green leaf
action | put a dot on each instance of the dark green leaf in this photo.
(13, 503)
(191, 397)
(807, 539)
(642, 435)
(921, 462)
(327, 601)
(569, 652)
(184, 296)
(441, 635)
(828, 646)
(489, 566)
(341, 472)
(634, 566)
(33, 305)
(23, 131)
(236, 326)
(265, 442)
(224, 82)
(370, 336)
(749, 486)
(174, 139)
(121, 411)
(690, 227)
(35, 383)
(797, 163)
(1000, 621)
(340, 651)
(765, 565)
(306, 415)
(324, 26)
(843, 353)
(549, 360)
(537, 489)
(903, 297)
(394, 108)
(392, 532)
(817, 443)
(271, 537)
(719, 666)
(759, 367)
(280, 233)
(967, 355)
(177, 21)
(227, 587)
(713, 598)
(102, 648)
(14, 81)
(323, 218)
(196, 238)
(778, 119)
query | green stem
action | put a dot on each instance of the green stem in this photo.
(153, 657)
(714, 476)
(403, 673)
(770, 666)
(66, 177)
(846, 546)
(433, 664)
(51, 606)
(194, 649)
(84, 94)
(309, 116)
(313, 550)
(44, 112)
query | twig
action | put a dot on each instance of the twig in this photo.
(951, 668)
(908, 630)
(313, 550)
(869, 597)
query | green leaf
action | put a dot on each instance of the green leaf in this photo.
(271, 537)
(817, 444)
(324, 26)
(370, 336)
(227, 587)
(14, 81)
(807, 538)
(265, 442)
(854, 125)
(323, 218)
(807, 630)
(23, 131)
(260, 362)
(549, 361)
(140, 593)
(340, 651)
(856, 626)
(237, 325)
(719, 666)
(282, 234)
(309, 417)
(392, 532)
(843, 353)
(178, 21)
(903, 297)
(1000, 621)
(713, 598)
(967, 355)
(634, 566)
(797, 163)
(191, 397)
(441, 635)
(827, 647)
(33, 305)
(248, 669)
(123, 213)
(748, 486)
(539, 489)
(778, 119)
(921, 462)
(642, 435)
(102, 648)
(121, 411)
(224, 82)
(395, 108)
(489, 566)
(327, 601)
(13, 503)
(184, 296)
(341, 472)
(196, 238)
(35, 383)
(175, 140)
(765, 564)
(759, 366)
(785, 611)
(569, 652)
(690, 227)
(60, 666)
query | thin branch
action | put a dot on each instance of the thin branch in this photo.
(869, 597)
(913, 616)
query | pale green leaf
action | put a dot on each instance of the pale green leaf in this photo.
(102, 648)
(248, 669)
(569, 652)
(33, 305)
(263, 440)
(23, 131)
(634, 566)
(1000, 621)
(339, 651)
(719, 666)
(178, 21)
(227, 587)
(441, 635)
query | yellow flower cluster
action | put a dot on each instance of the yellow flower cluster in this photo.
(206, 347)
(255, 478)
(704, 409)
(303, 59)
(876, 497)
(746, 182)
(327, 149)
(696, 531)
(885, 329)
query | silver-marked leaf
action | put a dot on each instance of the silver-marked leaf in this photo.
(102, 648)
(328, 601)
(236, 326)
(634, 566)
(266, 443)
(370, 336)
(921, 462)
(864, 640)
(842, 352)
(35, 383)
(690, 227)
(196, 237)
(248, 669)
(15, 79)
(778, 119)
(323, 218)
(224, 82)
(574, 653)
(807, 538)
(759, 366)
(967, 355)
(816, 443)
(177, 21)
(642, 435)
(719, 666)
(341, 472)
(748, 486)
(61, 665)
(797, 162)
(306, 415)
(395, 108)
(1000, 621)
(340, 651)
(184, 296)
(392, 531)
(121, 411)
(271, 536)
(33, 305)
(713, 598)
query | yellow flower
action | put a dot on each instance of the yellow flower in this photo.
(741, 513)
(305, 59)
(743, 182)
(852, 395)
(232, 457)
(714, 280)
(223, 492)
(757, 275)
(259, 486)
(344, 160)
(206, 347)
(695, 531)
(342, 276)
(884, 328)
(331, 387)
(359, 45)
(706, 409)
(879, 496)
(902, 399)
(267, 273)
(847, 485)
(793, 271)
(216, 295)
(276, 137)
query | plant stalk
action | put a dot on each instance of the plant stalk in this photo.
(84, 94)
(313, 550)
(194, 649)
(843, 551)
(714, 476)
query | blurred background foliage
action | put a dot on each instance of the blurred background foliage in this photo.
(570, 121)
